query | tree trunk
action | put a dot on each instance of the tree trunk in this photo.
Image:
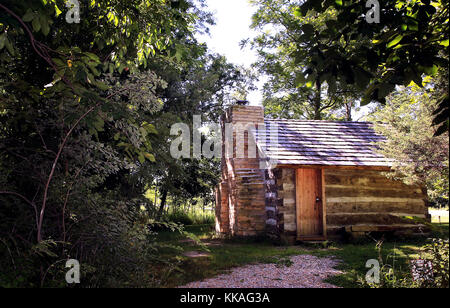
(163, 203)
(318, 101)
(348, 106)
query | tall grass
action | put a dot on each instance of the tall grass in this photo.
(186, 213)
(195, 216)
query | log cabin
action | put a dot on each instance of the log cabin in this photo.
(309, 180)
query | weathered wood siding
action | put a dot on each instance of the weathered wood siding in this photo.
(368, 200)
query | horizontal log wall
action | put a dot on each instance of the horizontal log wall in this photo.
(369, 200)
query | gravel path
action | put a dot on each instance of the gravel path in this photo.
(305, 272)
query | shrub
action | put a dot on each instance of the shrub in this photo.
(179, 217)
(437, 277)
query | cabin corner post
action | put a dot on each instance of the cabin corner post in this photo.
(222, 210)
(271, 197)
(222, 193)
(324, 204)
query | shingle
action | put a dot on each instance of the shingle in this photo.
(297, 142)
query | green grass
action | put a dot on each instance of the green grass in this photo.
(225, 255)
(192, 217)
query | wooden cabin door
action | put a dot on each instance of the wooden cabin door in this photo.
(309, 195)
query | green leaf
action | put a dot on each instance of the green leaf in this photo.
(36, 25)
(59, 63)
(92, 56)
(2, 40)
(101, 86)
(395, 41)
(431, 71)
(151, 129)
(111, 68)
(300, 80)
(99, 124)
(44, 25)
(94, 70)
(141, 158)
(10, 47)
(90, 78)
(29, 16)
(143, 132)
(444, 43)
(150, 157)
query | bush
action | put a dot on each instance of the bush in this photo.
(179, 217)
(437, 252)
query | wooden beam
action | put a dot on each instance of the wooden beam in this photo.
(373, 168)
(324, 205)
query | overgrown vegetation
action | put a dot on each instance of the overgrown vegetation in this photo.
(433, 271)
(85, 116)
(420, 157)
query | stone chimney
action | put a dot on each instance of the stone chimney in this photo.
(240, 197)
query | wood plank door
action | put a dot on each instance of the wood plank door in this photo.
(309, 195)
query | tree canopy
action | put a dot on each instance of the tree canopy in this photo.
(331, 41)
(301, 82)
(420, 157)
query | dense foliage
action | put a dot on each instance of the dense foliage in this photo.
(420, 157)
(85, 115)
(300, 84)
(309, 46)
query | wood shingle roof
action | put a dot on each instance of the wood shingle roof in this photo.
(296, 142)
